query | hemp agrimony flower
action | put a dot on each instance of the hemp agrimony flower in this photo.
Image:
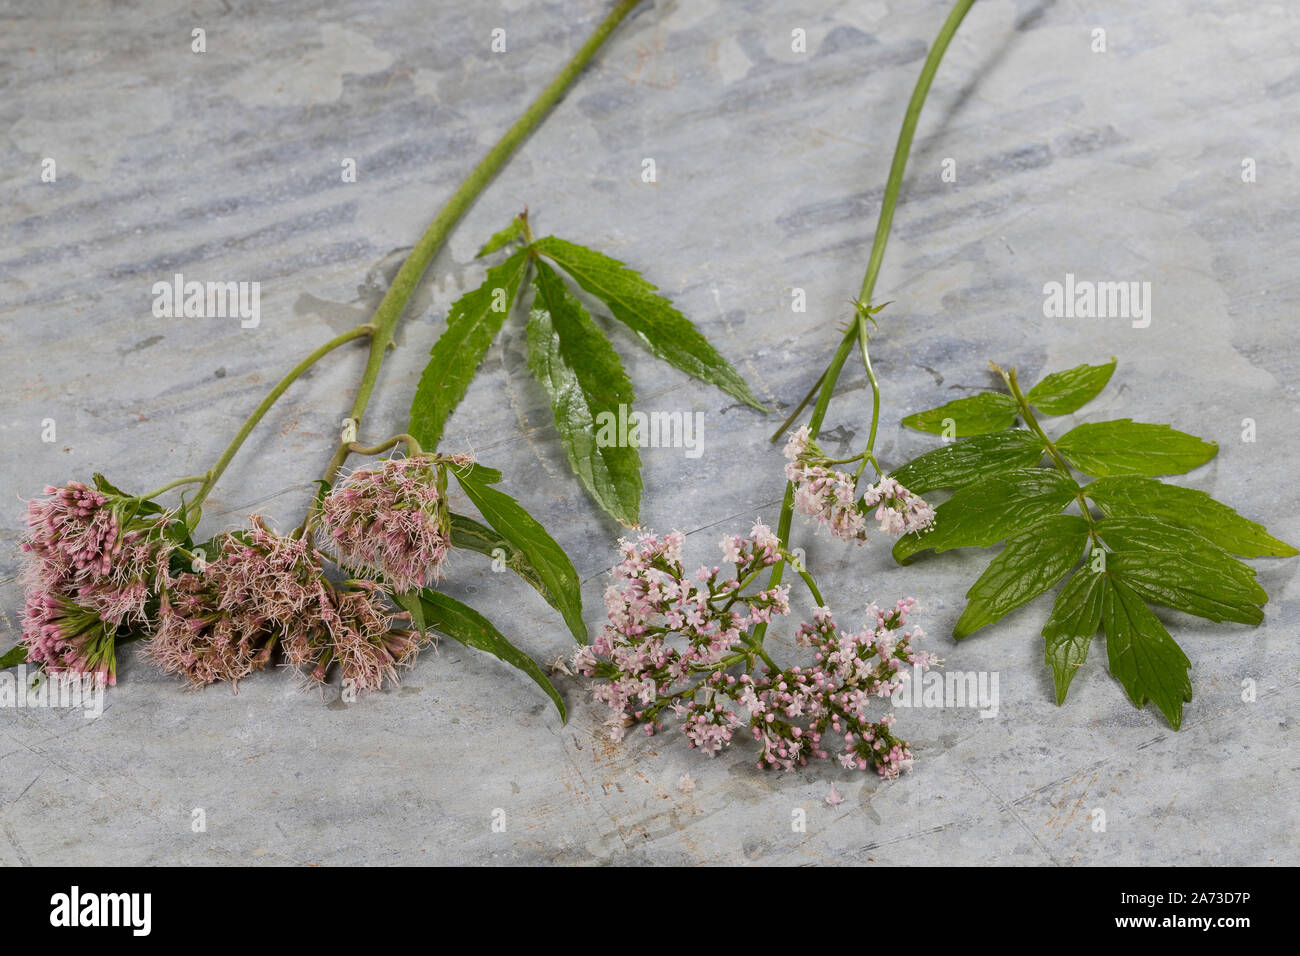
(393, 520)
(105, 568)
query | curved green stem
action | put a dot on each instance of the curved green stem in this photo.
(875, 387)
(399, 293)
(412, 446)
(811, 585)
(215, 472)
(188, 480)
(892, 187)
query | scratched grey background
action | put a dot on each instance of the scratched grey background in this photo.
(226, 166)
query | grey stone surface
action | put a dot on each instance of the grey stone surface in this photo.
(226, 165)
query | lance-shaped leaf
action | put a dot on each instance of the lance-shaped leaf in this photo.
(582, 373)
(472, 324)
(14, 656)
(1072, 626)
(461, 622)
(469, 534)
(542, 557)
(1063, 392)
(1142, 655)
(1031, 562)
(1131, 496)
(503, 238)
(1180, 569)
(638, 305)
(1126, 447)
(979, 414)
(986, 512)
(964, 462)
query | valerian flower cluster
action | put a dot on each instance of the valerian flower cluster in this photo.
(104, 568)
(830, 497)
(677, 647)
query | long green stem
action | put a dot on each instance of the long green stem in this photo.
(210, 479)
(892, 187)
(399, 293)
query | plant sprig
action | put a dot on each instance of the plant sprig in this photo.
(1134, 541)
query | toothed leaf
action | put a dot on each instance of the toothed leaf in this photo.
(582, 373)
(979, 414)
(638, 305)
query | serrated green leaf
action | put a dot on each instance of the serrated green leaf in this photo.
(14, 656)
(1126, 447)
(987, 511)
(582, 373)
(539, 557)
(1063, 392)
(1180, 569)
(1032, 561)
(1069, 631)
(638, 305)
(977, 415)
(1132, 496)
(506, 236)
(961, 463)
(472, 324)
(1142, 655)
(461, 622)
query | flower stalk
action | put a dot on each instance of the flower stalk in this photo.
(857, 334)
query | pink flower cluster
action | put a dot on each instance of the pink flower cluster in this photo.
(392, 520)
(897, 509)
(820, 492)
(100, 571)
(827, 495)
(224, 620)
(94, 557)
(675, 645)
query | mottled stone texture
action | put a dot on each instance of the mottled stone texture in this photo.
(1124, 165)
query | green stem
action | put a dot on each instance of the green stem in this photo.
(189, 480)
(412, 446)
(811, 585)
(904, 146)
(875, 390)
(399, 293)
(798, 408)
(215, 472)
(1027, 416)
(892, 187)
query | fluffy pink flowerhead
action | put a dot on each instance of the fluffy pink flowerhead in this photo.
(392, 520)
(98, 546)
(67, 639)
(223, 620)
